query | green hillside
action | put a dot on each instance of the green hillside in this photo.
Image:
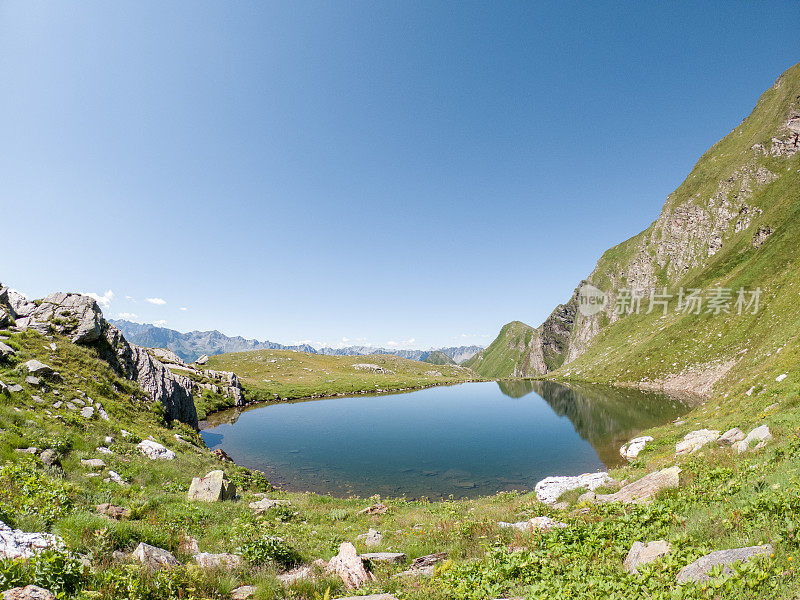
(437, 357)
(286, 374)
(509, 355)
(733, 224)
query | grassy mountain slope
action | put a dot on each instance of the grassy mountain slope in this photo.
(285, 374)
(437, 357)
(733, 223)
(509, 355)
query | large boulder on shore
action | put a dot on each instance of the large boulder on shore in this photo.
(549, 489)
(214, 487)
(698, 570)
(643, 490)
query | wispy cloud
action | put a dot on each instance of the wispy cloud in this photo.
(127, 315)
(394, 344)
(183, 308)
(104, 300)
(160, 322)
(158, 301)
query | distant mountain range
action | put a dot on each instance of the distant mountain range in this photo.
(192, 345)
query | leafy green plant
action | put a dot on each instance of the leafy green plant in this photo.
(259, 551)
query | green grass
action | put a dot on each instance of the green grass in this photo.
(286, 375)
(507, 355)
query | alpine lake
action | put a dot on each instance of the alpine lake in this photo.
(465, 440)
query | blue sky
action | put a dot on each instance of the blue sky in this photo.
(356, 172)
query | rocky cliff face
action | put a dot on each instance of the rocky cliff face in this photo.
(738, 197)
(80, 319)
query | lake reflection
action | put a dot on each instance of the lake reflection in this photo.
(467, 440)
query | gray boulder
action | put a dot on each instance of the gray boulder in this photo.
(641, 554)
(699, 569)
(645, 488)
(34, 367)
(154, 558)
(731, 436)
(18, 544)
(6, 351)
(218, 561)
(757, 438)
(244, 592)
(214, 487)
(15, 388)
(263, 505)
(384, 557)
(694, 440)
(50, 458)
(34, 381)
(30, 592)
(372, 538)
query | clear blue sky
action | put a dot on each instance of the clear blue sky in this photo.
(369, 171)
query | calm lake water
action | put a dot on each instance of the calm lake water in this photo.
(467, 440)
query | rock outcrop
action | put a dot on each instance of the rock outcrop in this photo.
(350, 567)
(18, 544)
(79, 318)
(698, 571)
(214, 487)
(549, 489)
(642, 554)
(643, 490)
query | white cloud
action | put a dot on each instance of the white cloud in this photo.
(158, 301)
(130, 298)
(183, 308)
(126, 315)
(392, 343)
(104, 300)
(160, 322)
(345, 340)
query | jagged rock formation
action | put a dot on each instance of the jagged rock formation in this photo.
(80, 319)
(735, 204)
(218, 382)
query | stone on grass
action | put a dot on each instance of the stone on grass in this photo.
(113, 512)
(384, 557)
(214, 487)
(588, 497)
(780, 378)
(645, 488)
(189, 545)
(15, 543)
(50, 458)
(375, 509)
(202, 360)
(155, 451)
(34, 367)
(154, 558)
(694, 440)
(244, 592)
(6, 351)
(34, 381)
(549, 489)
(350, 567)
(218, 561)
(265, 504)
(30, 592)
(15, 388)
(699, 569)
(94, 463)
(219, 454)
(641, 554)
(534, 524)
(87, 412)
(31, 450)
(103, 450)
(424, 565)
(632, 449)
(731, 436)
(303, 573)
(116, 478)
(372, 538)
(760, 436)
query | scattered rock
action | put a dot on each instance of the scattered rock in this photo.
(34, 381)
(116, 478)
(104, 450)
(641, 554)
(87, 412)
(108, 441)
(34, 367)
(645, 488)
(113, 512)
(15, 388)
(244, 592)
(372, 538)
(693, 441)
(731, 436)
(6, 351)
(189, 545)
(588, 497)
(102, 414)
(155, 451)
(265, 504)
(632, 449)
(760, 435)
(50, 458)
(218, 561)
(384, 557)
(30, 592)
(18, 544)
(424, 565)
(350, 567)
(58, 404)
(214, 487)
(536, 523)
(375, 509)
(94, 463)
(304, 573)
(154, 558)
(780, 378)
(220, 454)
(549, 489)
(202, 360)
(699, 569)
(31, 450)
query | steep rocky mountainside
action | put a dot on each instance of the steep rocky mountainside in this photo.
(733, 224)
(80, 319)
(190, 346)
